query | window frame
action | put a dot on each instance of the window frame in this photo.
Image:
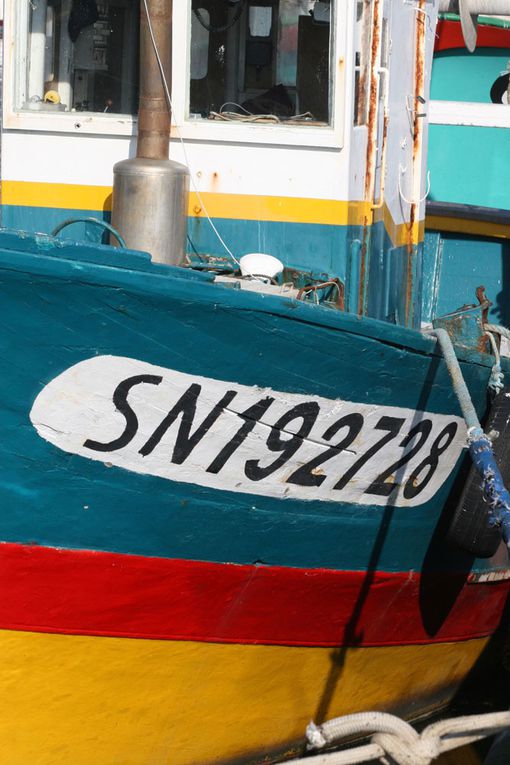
(94, 123)
(327, 136)
(15, 48)
(469, 113)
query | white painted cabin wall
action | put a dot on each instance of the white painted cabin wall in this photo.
(48, 158)
(402, 16)
(39, 153)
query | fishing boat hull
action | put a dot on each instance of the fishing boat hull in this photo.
(222, 515)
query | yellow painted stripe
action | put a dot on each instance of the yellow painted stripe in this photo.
(284, 209)
(401, 234)
(230, 206)
(466, 226)
(58, 195)
(234, 206)
(111, 701)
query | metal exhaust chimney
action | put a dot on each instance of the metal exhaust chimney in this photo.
(150, 192)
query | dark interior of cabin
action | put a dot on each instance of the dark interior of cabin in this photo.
(259, 60)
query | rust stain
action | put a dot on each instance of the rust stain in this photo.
(363, 269)
(410, 257)
(486, 304)
(419, 77)
(335, 283)
(362, 98)
(197, 209)
(419, 89)
(372, 102)
(363, 74)
(385, 129)
(383, 163)
(412, 218)
(371, 146)
(214, 181)
(481, 345)
(465, 324)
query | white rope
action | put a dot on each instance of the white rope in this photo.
(498, 329)
(496, 380)
(393, 738)
(497, 377)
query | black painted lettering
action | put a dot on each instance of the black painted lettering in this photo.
(120, 400)
(250, 416)
(390, 424)
(430, 464)
(307, 412)
(306, 475)
(381, 486)
(187, 407)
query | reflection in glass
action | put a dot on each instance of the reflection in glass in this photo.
(266, 62)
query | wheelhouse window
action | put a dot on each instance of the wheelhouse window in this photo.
(77, 55)
(261, 61)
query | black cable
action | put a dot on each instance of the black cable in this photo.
(224, 27)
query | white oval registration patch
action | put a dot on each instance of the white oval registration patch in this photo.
(224, 435)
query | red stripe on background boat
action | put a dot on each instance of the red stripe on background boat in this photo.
(449, 35)
(96, 593)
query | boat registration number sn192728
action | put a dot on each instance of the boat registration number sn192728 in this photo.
(224, 435)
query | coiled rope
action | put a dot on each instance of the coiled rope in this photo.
(393, 738)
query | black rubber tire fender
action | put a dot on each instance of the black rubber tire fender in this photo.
(470, 528)
(499, 88)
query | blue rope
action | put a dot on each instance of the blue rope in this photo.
(496, 494)
(480, 446)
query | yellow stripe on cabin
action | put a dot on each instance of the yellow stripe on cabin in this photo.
(228, 206)
(466, 226)
(116, 701)
(57, 195)
(282, 209)
(233, 206)
(400, 234)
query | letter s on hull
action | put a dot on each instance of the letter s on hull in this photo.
(120, 401)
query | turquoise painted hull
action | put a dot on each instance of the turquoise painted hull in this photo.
(67, 304)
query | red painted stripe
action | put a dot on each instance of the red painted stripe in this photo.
(95, 593)
(449, 35)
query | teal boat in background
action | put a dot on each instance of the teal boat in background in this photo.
(468, 207)
(467, 153)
